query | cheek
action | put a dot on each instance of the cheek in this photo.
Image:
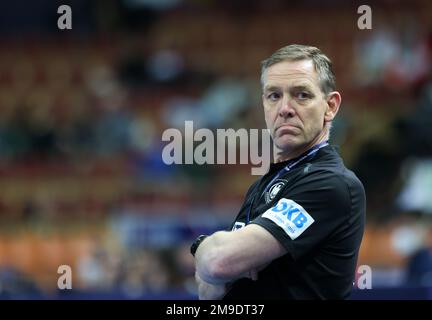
(316, 114)
(312, 121)
(320, 118)
(269, 117)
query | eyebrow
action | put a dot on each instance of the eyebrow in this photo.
(302, 87)
(271, 88)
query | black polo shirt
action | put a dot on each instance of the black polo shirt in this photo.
(317, 212)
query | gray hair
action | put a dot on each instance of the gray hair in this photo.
(296, 52)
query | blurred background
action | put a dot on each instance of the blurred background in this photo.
(82, 111)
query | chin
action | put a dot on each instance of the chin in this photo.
(287, 143)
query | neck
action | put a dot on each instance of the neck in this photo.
(284, 155)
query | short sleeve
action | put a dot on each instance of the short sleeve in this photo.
(308, 212)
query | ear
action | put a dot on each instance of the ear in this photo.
(334, 100)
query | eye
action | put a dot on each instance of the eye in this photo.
(273, 96)
(303, 95)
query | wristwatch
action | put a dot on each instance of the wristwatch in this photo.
(196, 243)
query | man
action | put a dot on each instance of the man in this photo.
(298, 233)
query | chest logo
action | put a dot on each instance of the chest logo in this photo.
(274, 190)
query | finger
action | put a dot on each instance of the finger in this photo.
(197, 278)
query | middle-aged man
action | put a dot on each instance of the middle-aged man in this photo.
(298, 232)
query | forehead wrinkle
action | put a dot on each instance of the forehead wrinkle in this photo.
(292, 71)
(291, 74)
(303, 82)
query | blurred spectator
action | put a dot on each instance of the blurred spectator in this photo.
(99, 270)
(416, 189)
(409, 234)
(143, 272)
(16, 285)
(375, 55)
(112, 125)
(222, 101)
(396, 58)
(185, 264)
(165, 67)
(419, 269)
(415, 129)
(16, 141)
(77, 134)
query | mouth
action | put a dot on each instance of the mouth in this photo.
(286, 128)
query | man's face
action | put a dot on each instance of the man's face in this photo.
(294, 105)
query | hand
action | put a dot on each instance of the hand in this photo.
(208, 291)
(253, 274)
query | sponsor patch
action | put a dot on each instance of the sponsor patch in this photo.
(290, 216)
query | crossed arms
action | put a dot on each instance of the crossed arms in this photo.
(227, 256)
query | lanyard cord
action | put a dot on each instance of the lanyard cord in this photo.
(287, 168)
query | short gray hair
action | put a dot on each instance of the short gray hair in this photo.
(297, 52)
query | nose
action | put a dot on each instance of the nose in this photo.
(286, 109)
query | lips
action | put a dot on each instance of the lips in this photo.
(286, 127)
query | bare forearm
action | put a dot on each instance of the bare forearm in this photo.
(227, 256)
(214, 262)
